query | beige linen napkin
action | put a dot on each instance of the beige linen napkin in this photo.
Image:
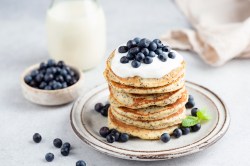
(221, 30)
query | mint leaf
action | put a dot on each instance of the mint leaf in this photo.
(190, 121)
(203, 115)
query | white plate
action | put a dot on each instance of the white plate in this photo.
(86, 124)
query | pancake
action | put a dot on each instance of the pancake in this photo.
(136, 101)
(175, 85)
(143, 82)
(138, 132)
(152, 112)
(173, 119)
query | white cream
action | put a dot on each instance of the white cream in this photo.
(156, 69)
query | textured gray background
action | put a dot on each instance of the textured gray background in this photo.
(23, 43)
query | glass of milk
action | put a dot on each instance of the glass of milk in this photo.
(76, 32)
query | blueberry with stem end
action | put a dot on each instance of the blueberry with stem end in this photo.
(166, 49)
(124, 137)
(110, 138)
(171, 55)
(139, 57)
(148, 60)
(162, 57)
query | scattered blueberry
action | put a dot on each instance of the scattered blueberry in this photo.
(124, 59)
(123, 49)
(194, 111)
(57, 142)
(190, 97)
(104, 111)
(49, 157)
(116, 134)
(196, 127)
(190, 104)
(177, 133)
(145, 51)
(135, 64)
(66, 145)
(171, 55)
(110, 138)
(139, 57)
(104, 131)
(65, 151)
(148, 60)
(124, 137)
(162, 57)
(98, 107)
(185, 130)
(165, 137)
(80, 163)
(37, 138)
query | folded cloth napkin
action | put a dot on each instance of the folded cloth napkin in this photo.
(221, 30)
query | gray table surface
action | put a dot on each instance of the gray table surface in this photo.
(23, 43)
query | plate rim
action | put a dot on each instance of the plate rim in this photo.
(154, 157)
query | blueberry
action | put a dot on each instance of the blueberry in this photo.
(60, 78)
(68, 78)
(194, 111)
(27, 79)
(158, 51)
(152, 46)
(58, 70)
(81, 163)
(33, 84)
(110, 138)
(190, 104)
(139, 57)
(123, 49)
(135, 64)
(130, 56)
(49, 71)
(137, 40)
(48, 77)
(116, 134)
(48, 87)
(148, 60)
(57, 142)
(107, 106)
(51, 62)
(158, 43)
(64, 85)
(196, 127)
(42, 66)
(39, 77)
(49, 157)
(145, 51)
(166, 49)
(34, 73)
(104, 111)
(131, 43)
(52, 82)
(64, 72)
(162, 57)
(124, 59)
(104, 131)
(73, 81)
(165, 137)
(134, 50)
(177, 133)
(185, 130)
(72, 73)
(124, 137)
(42, 85)
(65, 151)
(60, 64)
(151, 54)
(144, 43)
(53, 70)
(171, 55)
(98, 107)
(57, 85)
(190, 97)
(37, 138)
(66, 145)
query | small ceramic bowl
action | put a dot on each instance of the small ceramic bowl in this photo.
(52, 97)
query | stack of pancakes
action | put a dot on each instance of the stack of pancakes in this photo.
(146, 107)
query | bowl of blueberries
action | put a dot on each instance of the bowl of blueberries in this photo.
(52, 83)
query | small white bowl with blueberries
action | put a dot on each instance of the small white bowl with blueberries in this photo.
(52, 83)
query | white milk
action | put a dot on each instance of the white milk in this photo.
(76, 32)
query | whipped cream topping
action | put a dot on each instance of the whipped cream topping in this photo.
(156, 69)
